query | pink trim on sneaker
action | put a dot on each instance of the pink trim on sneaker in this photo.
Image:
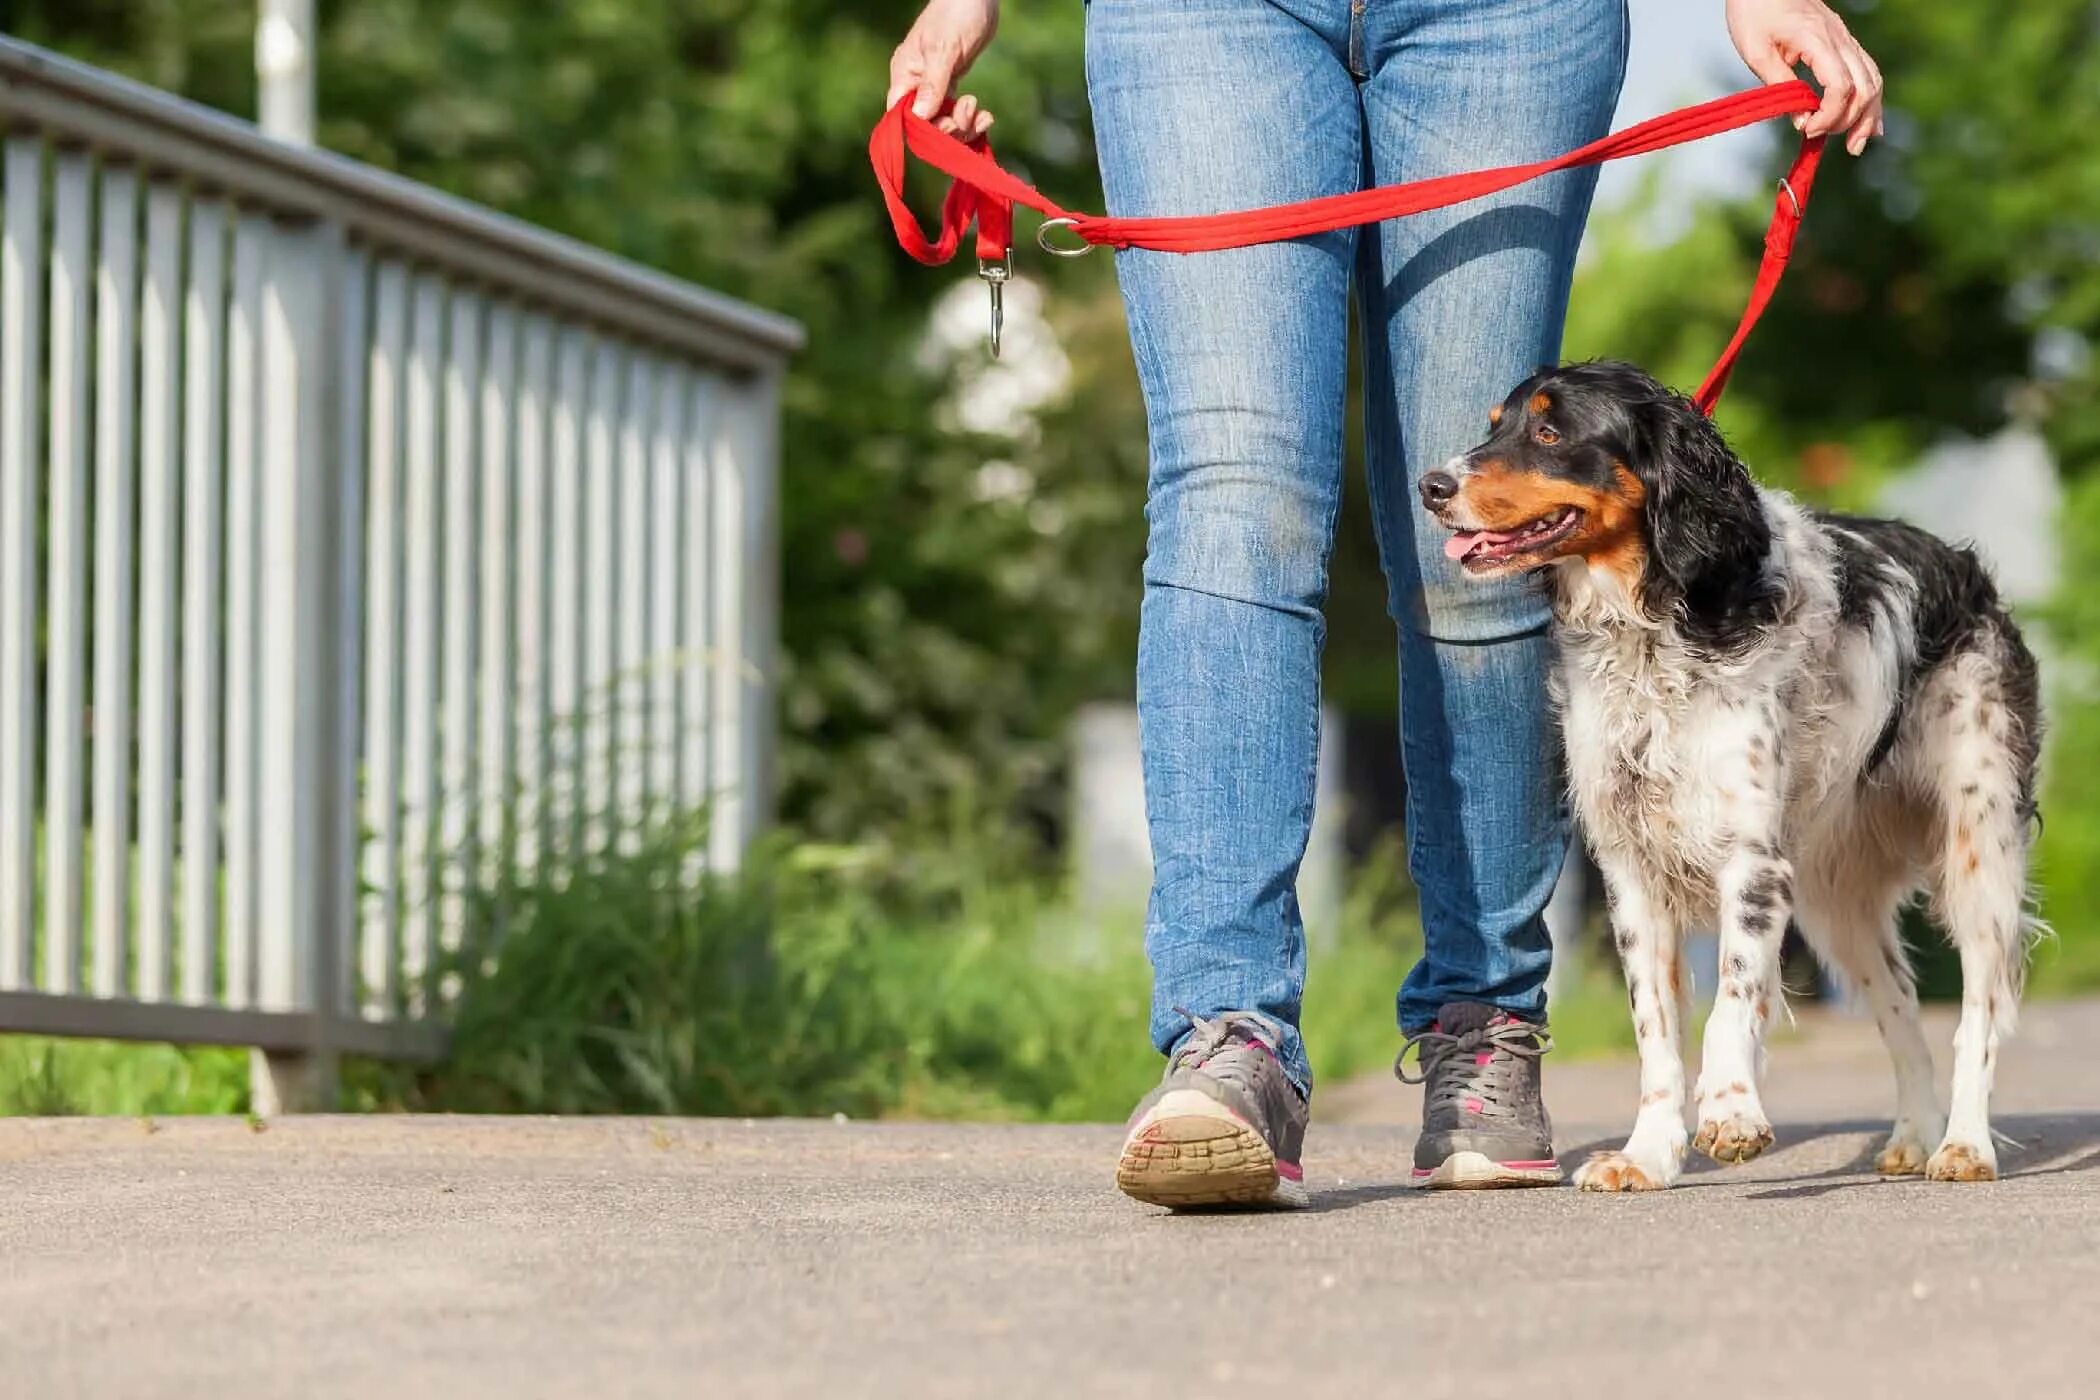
(1475, 1106)
(1289, 1171)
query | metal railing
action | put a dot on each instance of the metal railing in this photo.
(351, 535)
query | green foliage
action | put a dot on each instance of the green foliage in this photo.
(45, 1078)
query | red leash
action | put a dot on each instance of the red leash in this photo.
(984, 193)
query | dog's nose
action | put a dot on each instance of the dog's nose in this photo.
(1438, 487)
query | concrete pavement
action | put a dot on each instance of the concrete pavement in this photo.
(413, 1257)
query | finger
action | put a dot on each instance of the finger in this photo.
(1855, 117)
(904, 73)
(1770, 67)
(984, 124)
(935, 77)
(964, 114)
(1830, 70)
(1869, 124)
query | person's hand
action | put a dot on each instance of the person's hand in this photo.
(1774, 35)
(933, 57)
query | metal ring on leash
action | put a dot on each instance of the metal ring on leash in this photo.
(1042, 239)
(1792, 198)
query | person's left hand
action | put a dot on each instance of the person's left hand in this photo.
(1774, 35)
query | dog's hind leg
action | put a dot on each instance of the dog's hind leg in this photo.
(1848, 916)
(1974, 757)
(1649, 948)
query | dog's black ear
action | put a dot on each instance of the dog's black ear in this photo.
(1707, 533)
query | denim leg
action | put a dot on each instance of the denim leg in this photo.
(1460, 305)
(1203, 106)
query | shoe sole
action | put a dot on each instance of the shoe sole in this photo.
(1192, 1151)
(1474, 1171)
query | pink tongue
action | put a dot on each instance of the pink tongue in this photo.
(1460, 544)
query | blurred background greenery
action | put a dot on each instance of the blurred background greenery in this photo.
(953, 592)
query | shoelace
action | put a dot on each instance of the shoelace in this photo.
(1213, 1031)
(1433, 1047)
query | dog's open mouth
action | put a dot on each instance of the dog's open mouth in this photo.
(1476, 549)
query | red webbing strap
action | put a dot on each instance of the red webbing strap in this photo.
(1792, 201)
(984, 193)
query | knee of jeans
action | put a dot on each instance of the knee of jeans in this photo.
(1453, 608)
(1237, 535)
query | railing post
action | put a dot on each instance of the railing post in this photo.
(746, 549)
(302, 898)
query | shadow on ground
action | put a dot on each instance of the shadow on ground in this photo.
(2028, 1145)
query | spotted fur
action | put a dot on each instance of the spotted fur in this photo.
(1771, 716)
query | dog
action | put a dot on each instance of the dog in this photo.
(1769, 713)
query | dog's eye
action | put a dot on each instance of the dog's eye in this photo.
(1545, 435)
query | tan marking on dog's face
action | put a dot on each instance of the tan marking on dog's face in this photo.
(1495, 416)
(1496, 496)
(1539, 404)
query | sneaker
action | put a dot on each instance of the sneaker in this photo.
(1484, 1123)
(1225, 1125)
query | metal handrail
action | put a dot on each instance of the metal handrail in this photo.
(128, 121)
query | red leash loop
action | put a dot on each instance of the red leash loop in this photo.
(986, 194)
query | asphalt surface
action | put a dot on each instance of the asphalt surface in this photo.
(452, 1258)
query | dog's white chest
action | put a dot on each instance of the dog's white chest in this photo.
(1664, 772)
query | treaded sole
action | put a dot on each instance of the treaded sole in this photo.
(1475, 1171)
(1191, 1151)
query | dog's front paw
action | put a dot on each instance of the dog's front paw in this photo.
(1615, 1171)
(1963, 1161)
(1903, 1155)
(1735, 1138)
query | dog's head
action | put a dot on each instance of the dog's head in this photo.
(1597, 466)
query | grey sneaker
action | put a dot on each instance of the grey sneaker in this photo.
(1484, 1123)
(1225, 1125)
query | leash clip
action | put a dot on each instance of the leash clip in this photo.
(1792, 198)
(996, 275)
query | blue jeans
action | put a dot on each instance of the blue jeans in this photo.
(1202, 106)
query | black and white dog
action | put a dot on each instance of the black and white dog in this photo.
(1768, 712)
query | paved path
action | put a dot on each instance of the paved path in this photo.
(456, 1258)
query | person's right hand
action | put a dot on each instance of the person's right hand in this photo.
(933, 57)
(1774, 35)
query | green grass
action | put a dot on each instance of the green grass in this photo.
(44, 1077)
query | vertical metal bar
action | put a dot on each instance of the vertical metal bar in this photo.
(284, 70)
(21, 463)
(420, 633)
(498, 679)
(65, 620)
(630, 690)
(532, 545)
(601, 585)
(725, 634)
(160, 363)
(758, 469)
(251, 240)
(381, 937)
(696, 676)
(116, 445)
(296, 794)
(746, 611)
(565, 647)
(457, 861)
(666, 552)
(204, 436)
(352, 300)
